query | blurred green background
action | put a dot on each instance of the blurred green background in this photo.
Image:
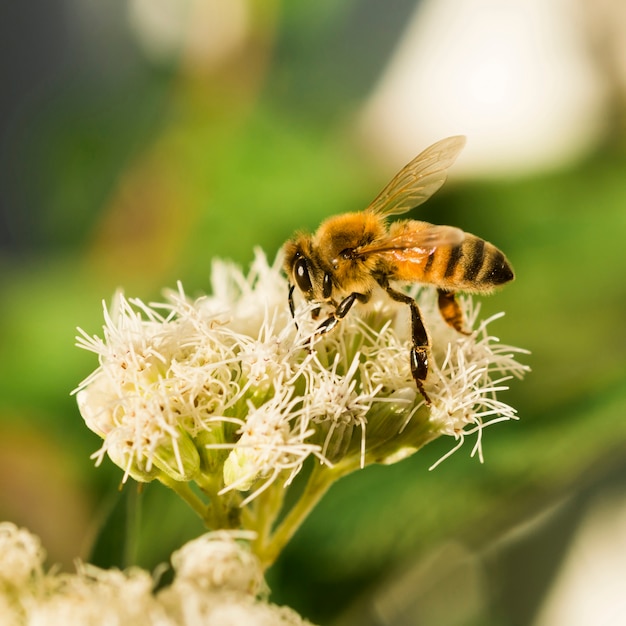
(139, 140)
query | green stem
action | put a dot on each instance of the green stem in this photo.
(320, 480)
(133, 526)
(187, 494)
(223, 511)
(266, 508)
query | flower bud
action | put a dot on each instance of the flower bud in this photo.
(177, 457)
(211, 455)
(120, 449)
(241, 469)
(94, 402)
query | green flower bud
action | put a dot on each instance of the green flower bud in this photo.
(209, 446)
(178, 457)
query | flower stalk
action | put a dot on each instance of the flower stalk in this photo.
(268, 546)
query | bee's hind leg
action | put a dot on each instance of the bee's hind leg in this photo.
(451, 310)
(340, 312)
(420, 348)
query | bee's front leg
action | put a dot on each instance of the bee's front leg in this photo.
(341, 310)
(420, 349)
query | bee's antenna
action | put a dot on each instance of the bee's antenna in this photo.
(291, 305)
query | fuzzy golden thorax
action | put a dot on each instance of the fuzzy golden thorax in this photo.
(332, 255)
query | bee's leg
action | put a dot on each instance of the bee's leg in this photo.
(451, 311)
(420, 349)
(340, 312)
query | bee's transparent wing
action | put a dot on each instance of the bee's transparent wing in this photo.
(418, 180)
(415, 242)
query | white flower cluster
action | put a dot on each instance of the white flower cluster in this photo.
(218, 582)
(232, 393)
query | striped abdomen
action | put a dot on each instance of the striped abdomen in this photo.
(474, 265)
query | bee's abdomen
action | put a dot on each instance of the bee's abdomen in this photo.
(473, 265)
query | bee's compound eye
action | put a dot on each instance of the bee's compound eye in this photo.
(301, 275)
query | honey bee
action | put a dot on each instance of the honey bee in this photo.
(352, 254)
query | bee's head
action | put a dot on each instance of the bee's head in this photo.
(304, 271)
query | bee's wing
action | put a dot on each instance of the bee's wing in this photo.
(418, 180)
(415, 242)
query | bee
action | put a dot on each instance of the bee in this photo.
(352, 254)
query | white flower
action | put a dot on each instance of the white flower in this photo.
(269, 443)
(21, 571)
(218, 582)
(337, 407)
(11, 613)
(94, 596)
(160, 381)
(468, 374)
(232, 393)
(225, 609)
(219, 561)
(21, 555)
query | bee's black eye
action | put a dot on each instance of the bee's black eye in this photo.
(301, 275)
